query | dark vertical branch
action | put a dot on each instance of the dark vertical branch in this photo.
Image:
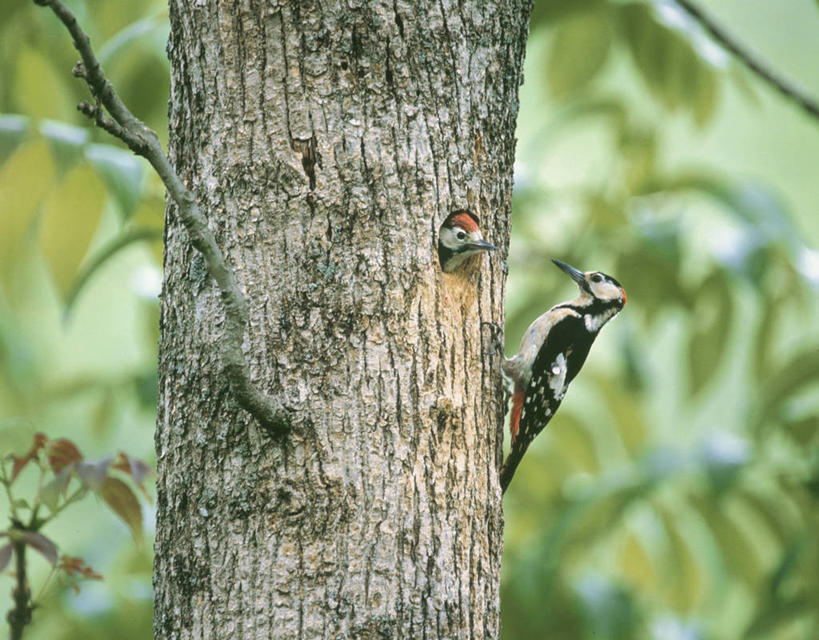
(20, 614)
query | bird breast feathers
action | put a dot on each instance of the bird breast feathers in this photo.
(518, 368)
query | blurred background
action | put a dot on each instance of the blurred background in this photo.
(675, 494)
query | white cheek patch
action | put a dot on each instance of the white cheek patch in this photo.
(557, 381)
(594, 323)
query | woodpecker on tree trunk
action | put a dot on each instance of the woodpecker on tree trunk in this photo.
(459, 239)
(552, 351)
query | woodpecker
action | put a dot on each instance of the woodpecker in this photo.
(459, 239)
(552, 351)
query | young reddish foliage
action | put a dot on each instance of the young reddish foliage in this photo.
(61, 453)
(75, 570)
(40, 441)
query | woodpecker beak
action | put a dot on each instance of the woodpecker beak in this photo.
(574, 274)
(479, 245)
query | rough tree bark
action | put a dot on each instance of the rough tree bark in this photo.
(326, 144)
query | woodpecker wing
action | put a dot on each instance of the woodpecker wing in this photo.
(557, 363)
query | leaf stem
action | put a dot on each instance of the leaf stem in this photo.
(7, 486)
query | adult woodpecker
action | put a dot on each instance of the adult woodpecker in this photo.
(552, 350)
(459, 239)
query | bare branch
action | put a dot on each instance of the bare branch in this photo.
(784, 87)
(143, 141)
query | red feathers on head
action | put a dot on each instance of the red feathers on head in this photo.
(464, 220)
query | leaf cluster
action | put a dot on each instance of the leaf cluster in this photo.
(63, 477)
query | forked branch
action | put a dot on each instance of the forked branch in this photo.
(111, 114)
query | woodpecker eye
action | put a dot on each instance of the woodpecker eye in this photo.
(461, 235)
(597, 278)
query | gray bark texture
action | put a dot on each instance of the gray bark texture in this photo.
(326, 144)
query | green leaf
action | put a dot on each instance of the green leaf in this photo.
(13, 129)
(575, 441)
(71, 216)
(546, 12)
(670, 65)
(627, 413)
(39, 90)
(604, 213)
(579, 48)
(740, 555)
(685, 581)
(638, 148)
(770, 510)
(636, 565)
(788, 380)
(66, 141)
(122, 171)
(24, 180)
(122, 501)
(52, 490)
(711, 320)
(704, 97)
(762, 356)
(132, 33)
(102, 255)
(786, 612)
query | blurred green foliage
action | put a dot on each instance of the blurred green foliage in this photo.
(675, 494)
(80, 258)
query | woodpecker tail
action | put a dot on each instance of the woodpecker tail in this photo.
(514, 418)
(510, 465)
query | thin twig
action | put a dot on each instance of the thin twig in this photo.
(143, 141)
(784, 87)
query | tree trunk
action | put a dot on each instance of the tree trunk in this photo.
(326, 144)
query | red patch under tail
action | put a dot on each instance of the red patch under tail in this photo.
(514, 419)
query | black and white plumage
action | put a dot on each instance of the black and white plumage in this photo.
(552, 351)
(460, 238)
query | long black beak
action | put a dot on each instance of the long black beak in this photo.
(574, 274)
(479, 245)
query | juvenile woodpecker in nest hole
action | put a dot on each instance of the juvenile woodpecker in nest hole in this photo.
(459, 239)
(552, 350)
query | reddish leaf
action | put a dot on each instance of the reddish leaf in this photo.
(40, 543)
(62, 453)
(92, 474)
(135, 468)
(20, 463)
(5, 556)
(124, 503)
(76, 567)
(132, 466)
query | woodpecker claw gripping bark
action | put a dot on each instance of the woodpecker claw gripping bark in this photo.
(552, 351)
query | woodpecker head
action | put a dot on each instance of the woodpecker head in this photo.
(601, 296)
(460, 238)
